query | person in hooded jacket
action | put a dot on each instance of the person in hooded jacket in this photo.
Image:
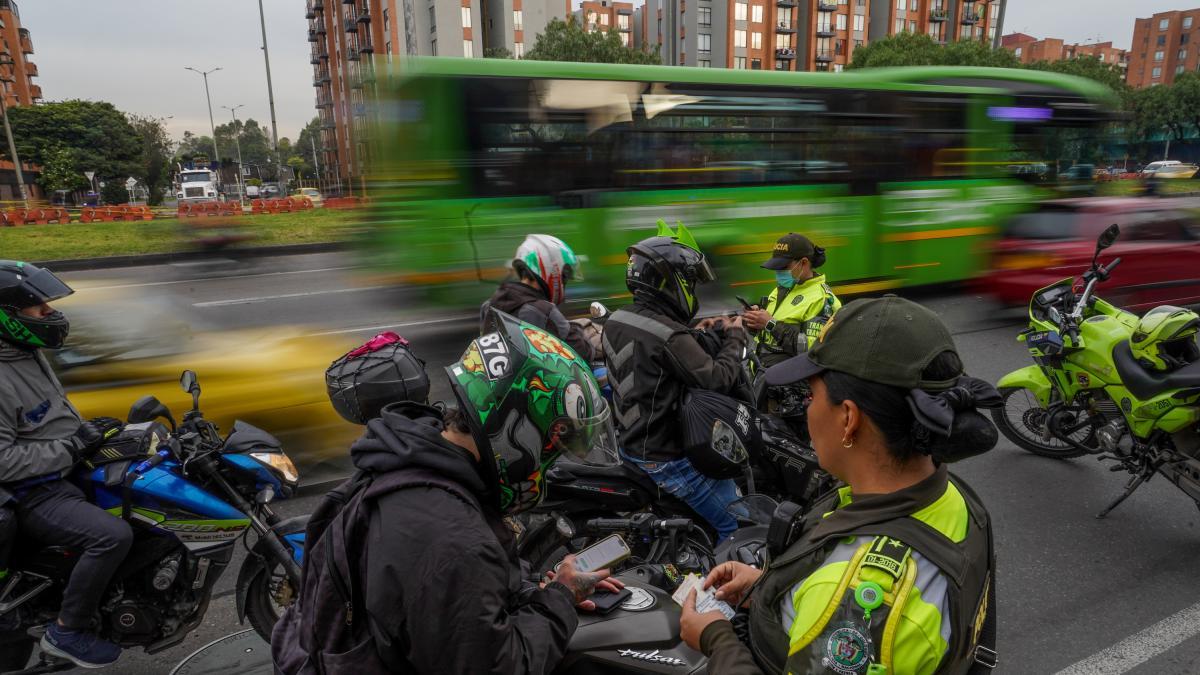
(654, 356)
(443, 589)
(543, 266)
(41, 438)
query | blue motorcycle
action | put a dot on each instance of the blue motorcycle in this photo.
(189, 496)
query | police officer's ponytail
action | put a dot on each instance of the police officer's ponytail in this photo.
(907, 430)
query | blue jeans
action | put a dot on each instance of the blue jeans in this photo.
(708, 497)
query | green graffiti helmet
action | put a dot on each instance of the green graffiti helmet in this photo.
(24, 285)
(529, 399)
(1165, 338)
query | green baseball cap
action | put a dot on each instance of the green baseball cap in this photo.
(888, 340)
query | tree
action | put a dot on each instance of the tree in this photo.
(59, 172)
(1088, 67)
(99, 136)
(308, 138)
(114, 192)
(917, 49)
(569, 41)
(497, 53)
(156, 156)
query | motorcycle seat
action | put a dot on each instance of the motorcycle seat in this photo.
(246, 437)
(620, 472)
(1145, 384)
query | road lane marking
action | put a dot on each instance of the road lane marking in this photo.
(215, 278)
(386, 326)
(284, 296)
(1140, 647)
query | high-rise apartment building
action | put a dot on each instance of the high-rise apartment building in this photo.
(1028, 49)
(16, 71)
(1164, 46)
(606, 15)
(513, 25)
(814, 35)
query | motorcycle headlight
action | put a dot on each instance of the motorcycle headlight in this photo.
(281, 463)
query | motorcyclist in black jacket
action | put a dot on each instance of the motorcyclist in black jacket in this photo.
(444, 590)
(654, 357)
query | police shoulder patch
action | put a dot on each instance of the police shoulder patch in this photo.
(889, 555)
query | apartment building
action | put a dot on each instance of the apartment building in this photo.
(606, 15)
(1028, 49)
(1164, 46)
(812, 35)
(16, 71)
(514, 25)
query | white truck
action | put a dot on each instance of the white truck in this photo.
(197, 185)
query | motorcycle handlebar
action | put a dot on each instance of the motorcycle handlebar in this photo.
(1107, 269)
(158, 458)
(626, 524)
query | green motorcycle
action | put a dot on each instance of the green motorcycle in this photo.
(1107, 382)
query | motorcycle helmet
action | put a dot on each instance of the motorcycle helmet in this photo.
(23, 285)
(1165, 338)
(367, 378)
(550, 262)
(666, 269)
(528, 398)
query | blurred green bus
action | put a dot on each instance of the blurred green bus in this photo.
(904, 175)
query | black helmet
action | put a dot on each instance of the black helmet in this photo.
(23, 285)
(380, 372)
(667, 268)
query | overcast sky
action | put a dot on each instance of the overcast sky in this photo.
(133, 52)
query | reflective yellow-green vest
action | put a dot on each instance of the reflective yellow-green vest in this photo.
(809, 304)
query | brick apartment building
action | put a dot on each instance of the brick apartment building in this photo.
(605, 15)
(1164, 45)
(16, 71)
(1028, 49)
(813, 35)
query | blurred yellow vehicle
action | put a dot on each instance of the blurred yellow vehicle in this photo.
(313, 194)
(122, 349)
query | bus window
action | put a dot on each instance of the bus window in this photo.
(934, 137)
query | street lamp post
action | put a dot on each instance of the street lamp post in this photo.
(238, 143)
(211, 123)
(262, 18)
(12, 146)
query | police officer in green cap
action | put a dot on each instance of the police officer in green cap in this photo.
(892, 573)
(792, 315)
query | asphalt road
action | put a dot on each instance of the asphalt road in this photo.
(1076, 594)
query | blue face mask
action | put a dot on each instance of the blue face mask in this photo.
(784, 278)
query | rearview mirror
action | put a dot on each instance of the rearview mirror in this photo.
(148, 409)
(189, 384)
(1108, 237)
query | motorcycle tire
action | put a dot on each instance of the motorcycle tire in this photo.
(1022, 432)
(261, 605)
(15, 655)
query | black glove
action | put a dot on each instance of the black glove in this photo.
(92, 433)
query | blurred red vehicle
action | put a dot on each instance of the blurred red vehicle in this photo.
(1159, 247)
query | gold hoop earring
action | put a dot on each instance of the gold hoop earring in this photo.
(848, 443)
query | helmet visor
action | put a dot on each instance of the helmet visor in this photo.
(589, 440)
(704, 272)
(40, 287)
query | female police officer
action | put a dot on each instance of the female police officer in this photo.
(894, 571)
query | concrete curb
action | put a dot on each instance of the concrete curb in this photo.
(112, 262)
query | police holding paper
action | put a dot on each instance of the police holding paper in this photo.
(894, 572)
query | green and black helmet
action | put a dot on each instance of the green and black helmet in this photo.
(666, 269)
(1165, 338)
(23, 285)
(529, 399)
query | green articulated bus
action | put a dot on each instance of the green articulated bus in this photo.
(904, 175)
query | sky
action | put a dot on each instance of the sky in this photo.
(133, 52)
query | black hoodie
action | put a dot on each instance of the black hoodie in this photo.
(530, 305)
(444, 586)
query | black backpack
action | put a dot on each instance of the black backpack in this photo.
(328, 630)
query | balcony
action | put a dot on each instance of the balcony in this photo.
(785, 28)
(312, 35)
(324, 101)
(627, 12)
(970, 18)
(824, 56)
(352, 54)
(349, 2)
(825, 30)
(31, 69)
(786, 3)
(327, 123)
(35, 92)
(785, 53)
(938, 15)
(365, 46)
(823, 6)
(26, 41)
(351, 25)
(364, 15)
(321, 77)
